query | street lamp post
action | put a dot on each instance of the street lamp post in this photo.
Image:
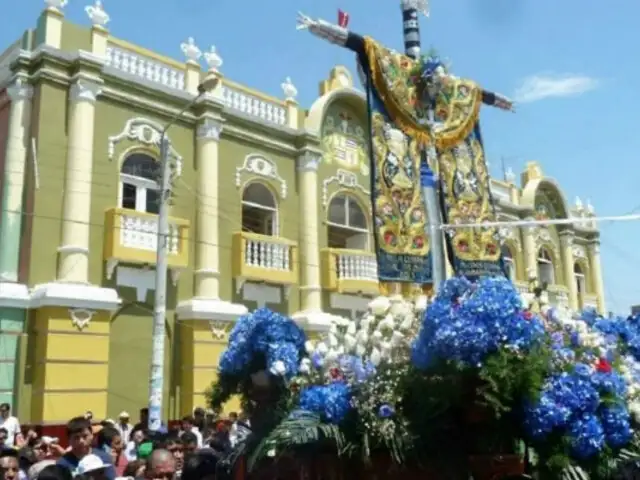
(156, 378)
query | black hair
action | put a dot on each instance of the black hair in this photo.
(5, 406)
(26, 458)
(189, 418)
(4, 430)
(199, 465)
(78, 425)
(106, 436)
(188, 438)
(55, 472)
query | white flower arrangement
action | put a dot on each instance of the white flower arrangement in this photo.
(383, 334)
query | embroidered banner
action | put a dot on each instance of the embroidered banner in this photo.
(402, 246)
(465, 180)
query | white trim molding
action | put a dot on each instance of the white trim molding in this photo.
(344, 179)
(257, 164)
(14, 295)
(147, 132)
(213, 310)
(75, 295)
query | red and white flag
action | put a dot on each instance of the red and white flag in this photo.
(343, 19)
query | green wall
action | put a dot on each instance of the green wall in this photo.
(232, 154)
(52, 153)
(11, 329)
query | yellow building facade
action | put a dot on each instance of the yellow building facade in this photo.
(270, 207)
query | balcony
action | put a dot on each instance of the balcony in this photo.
(131, 237)
(349, 271)
(262, 258)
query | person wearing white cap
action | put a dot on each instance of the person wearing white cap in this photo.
(124, 426)
(92, 466)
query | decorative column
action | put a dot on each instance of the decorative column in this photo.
(311, 288)
(530, 251)
(73, 265)
(14, 297)
(566, 243)
(596, 272)
(207, 251)
(18, 136)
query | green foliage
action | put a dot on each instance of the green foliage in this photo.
(297, 431)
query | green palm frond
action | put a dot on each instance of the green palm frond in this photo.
(302, 429)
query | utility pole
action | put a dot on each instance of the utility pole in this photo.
(156, 377)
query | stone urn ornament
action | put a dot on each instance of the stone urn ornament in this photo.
(56, 4)
(289, 89)
(191, 50)
(97, 15)
(214, 61)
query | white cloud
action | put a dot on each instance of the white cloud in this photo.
(539, 87)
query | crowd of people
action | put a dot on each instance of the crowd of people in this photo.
(111, 450)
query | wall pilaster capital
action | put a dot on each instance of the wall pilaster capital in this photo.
(209, 129)
(594, 247)
(309, 160)
(85, 91)
(20, 90)
(566, 238)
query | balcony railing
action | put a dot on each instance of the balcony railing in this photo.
(349, 271)
(131, 237)
(265, 259)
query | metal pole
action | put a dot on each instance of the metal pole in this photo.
(156, 380)
(432, 208)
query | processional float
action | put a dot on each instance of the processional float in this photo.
(422, 119)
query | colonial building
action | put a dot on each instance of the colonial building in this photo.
(270, 206)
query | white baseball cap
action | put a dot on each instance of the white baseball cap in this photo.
(90, 463)
(124, 414)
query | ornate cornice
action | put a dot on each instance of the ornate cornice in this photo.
(309, 160)
(85, 91)
(209, 129)
(20, 90)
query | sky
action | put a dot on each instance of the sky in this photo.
(568, 64)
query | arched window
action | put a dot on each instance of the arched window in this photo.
(259, 210)
(580, 279)
(139, 183)
(546, 273)
(347, 224)
(509, 263)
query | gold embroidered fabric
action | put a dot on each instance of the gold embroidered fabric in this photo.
(457, 106)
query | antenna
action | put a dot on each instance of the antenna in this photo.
(504, 168)
(34, 159)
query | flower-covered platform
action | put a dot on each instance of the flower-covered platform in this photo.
(476, 381)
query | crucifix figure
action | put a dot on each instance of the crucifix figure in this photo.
(422, 118)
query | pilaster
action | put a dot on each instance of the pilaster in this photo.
(596, 272)
(311, 316)
(17, 148)
(206, 305)
(73, 263)
(568, 263)
(530, 250)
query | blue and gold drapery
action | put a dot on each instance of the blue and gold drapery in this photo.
(400, 134)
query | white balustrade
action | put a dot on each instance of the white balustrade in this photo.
(352, 266)
(144, 68)
(253, 106)
(141, 232)
(267, 254)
